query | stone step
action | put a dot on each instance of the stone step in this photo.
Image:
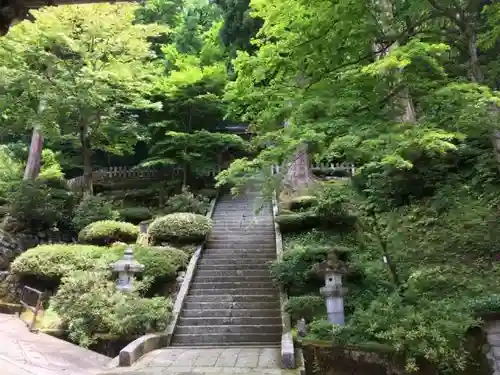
(236, 257)
(203, 266)
(252, 230)
(248, 215)
(247, 284)
(232, 279)
(244, 230)
(247, 291)
(225, 329)
(239, 251)
(243, 253)
(229, 313)
(233, 298)
(218, 244)
(232, 273)
(225, 339)
(242, 237)
(231, 305)
(251, 320)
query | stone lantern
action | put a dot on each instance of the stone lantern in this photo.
(126, 268)
(333, 270)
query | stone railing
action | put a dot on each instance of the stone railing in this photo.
(114, 174)
(346, 170)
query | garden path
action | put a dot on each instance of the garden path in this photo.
(207, 361)
(26, 353)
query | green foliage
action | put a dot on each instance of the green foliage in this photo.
(196, 151)
(10, 172)
(485, 304)
(179, 228)
(60, 73)
(92, 209)
(56, 261)
(321, 329)
(106, 232)
(161, 264)
(186, 201)
(135, 215)
(40, 204)
(296, 222)
(296, 272)
(302, 203)
(89, 304)
(435, 329)
(308, 307)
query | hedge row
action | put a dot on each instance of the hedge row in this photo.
(179, 228)
(56, 261)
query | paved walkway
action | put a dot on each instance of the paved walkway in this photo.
(26, 353)
(190, 361)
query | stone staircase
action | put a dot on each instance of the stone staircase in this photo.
(232, 300)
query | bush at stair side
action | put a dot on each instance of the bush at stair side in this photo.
(179, 228)
(106, 232)
(89, 305)
(50, 263)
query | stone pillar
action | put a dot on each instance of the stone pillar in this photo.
(333, 291)
(334, 299)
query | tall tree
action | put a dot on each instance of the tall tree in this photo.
(88, 65)
(349, 107)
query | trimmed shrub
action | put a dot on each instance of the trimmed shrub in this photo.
(40, 204)
(187, 202)
(106, 232)
(135, 215)
(303, 203)
(297, 222)
(52, 262)
(56, 261)
(160, 263)
(89, 304)
(296, 271)
(307, 307)
(92, 209)
(179, 228)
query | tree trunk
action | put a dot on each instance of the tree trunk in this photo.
(33, 164)
(475, 72)
(404, 98)
(298, 172)
(88, 187)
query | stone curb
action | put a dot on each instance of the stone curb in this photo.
(147, 343)
(288, 360)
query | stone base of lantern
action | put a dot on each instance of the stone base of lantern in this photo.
(334, 299)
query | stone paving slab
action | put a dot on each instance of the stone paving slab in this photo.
(201, 361)
(26, 353)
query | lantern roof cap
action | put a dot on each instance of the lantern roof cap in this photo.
(331, 265)
(127, 263)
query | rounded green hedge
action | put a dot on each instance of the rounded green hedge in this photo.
(56, 261)
(179, 228)
(135, 215)
(106, 232)
(302, 203)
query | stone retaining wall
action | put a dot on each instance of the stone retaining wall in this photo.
(492, 330)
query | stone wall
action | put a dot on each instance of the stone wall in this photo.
(324, 358)
(9, 249)
(492, 329)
